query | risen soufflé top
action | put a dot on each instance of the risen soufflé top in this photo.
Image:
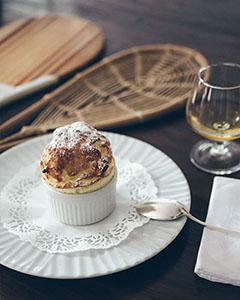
(77, 156)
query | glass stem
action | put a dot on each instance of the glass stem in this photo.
(219, 148)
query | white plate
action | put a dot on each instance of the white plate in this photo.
(142, 244)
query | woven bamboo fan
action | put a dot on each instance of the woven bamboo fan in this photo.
(130, 86)
(37, 52)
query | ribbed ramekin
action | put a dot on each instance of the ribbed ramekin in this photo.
(82, 209)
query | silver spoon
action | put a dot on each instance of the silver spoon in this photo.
(169, 210)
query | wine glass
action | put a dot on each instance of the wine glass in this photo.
(214, 113)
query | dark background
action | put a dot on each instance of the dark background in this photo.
(211, 27)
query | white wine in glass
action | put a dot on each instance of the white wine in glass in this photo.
(214, 113)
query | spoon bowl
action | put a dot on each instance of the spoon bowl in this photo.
(161, 209)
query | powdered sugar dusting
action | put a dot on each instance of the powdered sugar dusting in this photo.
(70, 135)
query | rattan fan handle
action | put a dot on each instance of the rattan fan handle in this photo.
(6, 146)
(21, 118)
(25, 132)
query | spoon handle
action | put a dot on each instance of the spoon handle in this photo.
(210, 226)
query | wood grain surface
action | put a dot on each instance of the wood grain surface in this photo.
(212, 27)
(51, 45)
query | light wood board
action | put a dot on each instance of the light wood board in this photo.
(51, 45)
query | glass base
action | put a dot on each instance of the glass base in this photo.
(216, 157)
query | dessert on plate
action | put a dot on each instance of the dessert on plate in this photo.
(79, 174)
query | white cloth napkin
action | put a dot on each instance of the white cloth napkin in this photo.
(219, 253)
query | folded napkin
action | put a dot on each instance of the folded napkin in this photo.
(219, 253)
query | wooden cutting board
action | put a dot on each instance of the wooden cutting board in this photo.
(51, 45)
(37, 52)
(57, 45)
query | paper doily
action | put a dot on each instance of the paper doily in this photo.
(25, 212)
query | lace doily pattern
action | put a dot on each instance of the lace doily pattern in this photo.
(25, 212)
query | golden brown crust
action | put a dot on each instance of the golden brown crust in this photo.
(77, 156)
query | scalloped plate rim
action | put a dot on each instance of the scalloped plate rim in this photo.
(116, 269)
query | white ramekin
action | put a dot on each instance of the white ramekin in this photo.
(82, 209)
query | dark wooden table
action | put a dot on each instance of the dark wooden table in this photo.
(212, 27)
